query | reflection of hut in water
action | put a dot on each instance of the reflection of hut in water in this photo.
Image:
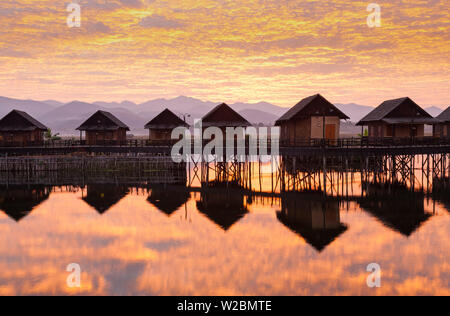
(441, 191)
(316, 220)
(19, 201)
(168, 200)
(396, 206)
(225, 207)
(104, 196)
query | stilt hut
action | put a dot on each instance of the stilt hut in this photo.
(398, 118)
(161, 127)
(223, 116)
(317, 221)
(103, 128)
(442, 127)
(20, 129)
(313, 118)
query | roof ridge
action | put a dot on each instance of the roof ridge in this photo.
(160, 116)
(31, 120)
(303, 104)
(114, 119)
(216, 108)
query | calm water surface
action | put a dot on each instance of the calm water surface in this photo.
(167, 241)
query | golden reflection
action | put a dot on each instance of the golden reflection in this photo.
(136, 249)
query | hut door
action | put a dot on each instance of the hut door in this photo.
(330, 131)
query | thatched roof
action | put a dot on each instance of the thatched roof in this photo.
(315, 105)
(102, 121)
(444, 117)
(224, 116)
(166, 120)
(18, 121)
(398, 111)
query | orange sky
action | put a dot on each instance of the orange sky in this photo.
(251, 50)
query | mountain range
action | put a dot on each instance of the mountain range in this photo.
(66, 117)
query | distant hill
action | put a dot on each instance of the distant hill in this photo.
(53, 103)
(65, 119)
(34, 108)
(257, 117)
(355, 111)
(124, 104)
(434, 111)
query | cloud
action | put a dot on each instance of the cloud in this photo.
(253, 50)
(8, 52)
(98, 27)
(158, 21)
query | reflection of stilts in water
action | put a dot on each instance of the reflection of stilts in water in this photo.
(441, 191)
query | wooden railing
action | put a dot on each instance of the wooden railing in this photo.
(365, 142)
(356, 142)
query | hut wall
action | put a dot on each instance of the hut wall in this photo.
(35, 137)
(441, 130)
(332, 123)
(106, 137)
(381, 130)
(295, 131)
(377, 130)
(160, 135)
(300, 130)
(404, 131)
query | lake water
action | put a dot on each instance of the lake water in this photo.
(167, 240)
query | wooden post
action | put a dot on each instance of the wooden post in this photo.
(324, 175)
